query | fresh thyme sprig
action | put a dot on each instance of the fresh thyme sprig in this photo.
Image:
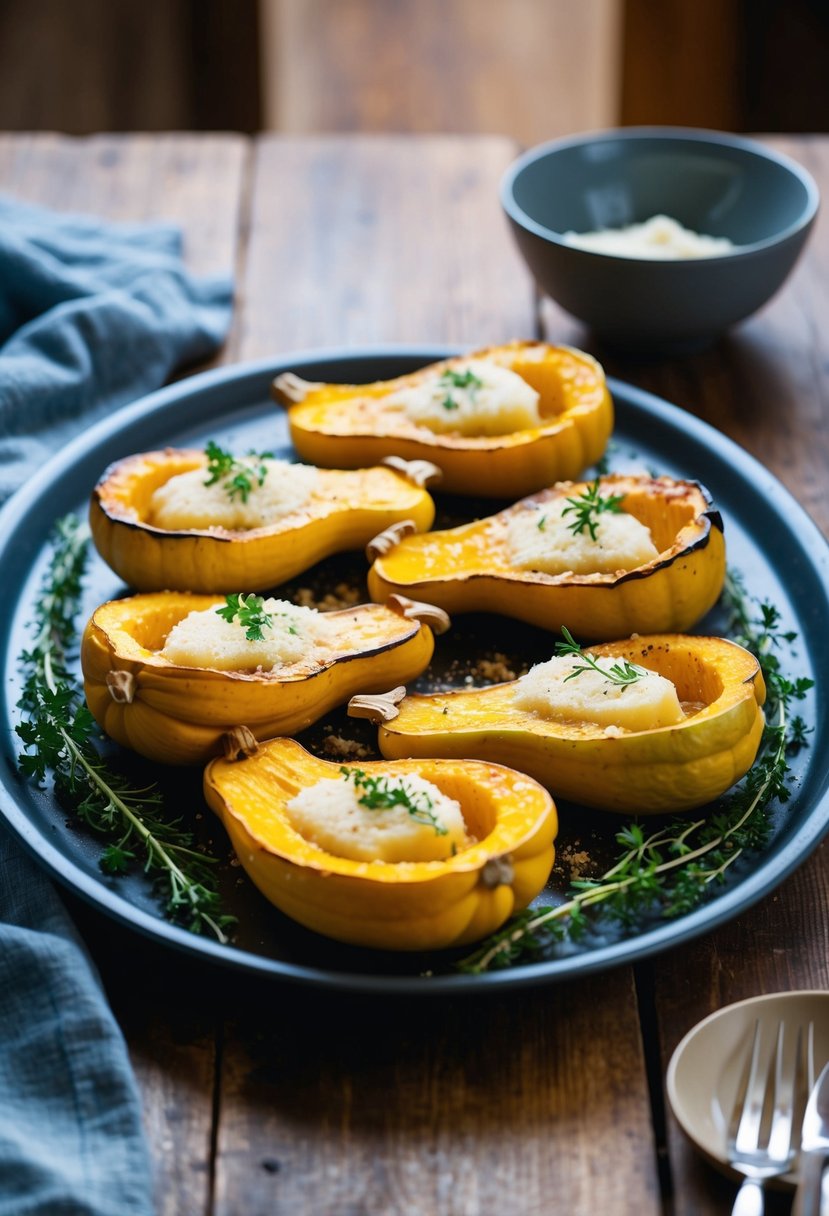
(452, 379)
(588, 506)
(57, 731)
(671, 870)
(380, 793)
(622, 673)
(238, 475)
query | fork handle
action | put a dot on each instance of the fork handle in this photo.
(749, 1201)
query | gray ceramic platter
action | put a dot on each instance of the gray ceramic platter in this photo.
(777, 548)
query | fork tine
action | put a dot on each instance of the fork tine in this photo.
(749, 1113)
(785, 1087)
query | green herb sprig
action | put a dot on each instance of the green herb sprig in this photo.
(237, 475)
(57, 732)
(250, 612)
(622, 673)
(588, 506)
(464, 380)
(668, 872)
(380, 794)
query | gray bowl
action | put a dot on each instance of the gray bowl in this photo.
(720, 185)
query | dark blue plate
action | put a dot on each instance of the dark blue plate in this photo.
(771, 540)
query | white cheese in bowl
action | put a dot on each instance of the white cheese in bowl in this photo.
(542, 539)
(387, 818)
(553, 690)
(206, 639)
(659, 238)
(476, 397)
(186, 501)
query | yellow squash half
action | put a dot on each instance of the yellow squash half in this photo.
(467, 569)
(345, 510)
(185, 715)
(351, 425)
(400, 905)
(671, 768)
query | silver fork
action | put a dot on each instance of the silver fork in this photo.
(750, 1152)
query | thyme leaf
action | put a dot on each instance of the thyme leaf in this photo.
(671, 870)
(57, 732)
(622, 673)
(588, 506)
(382, 793)
(238, 475)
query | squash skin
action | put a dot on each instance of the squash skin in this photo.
(179, 715)
(391, 906)
(149, 558)
(345, 425)
(466, 569)
(672, 768)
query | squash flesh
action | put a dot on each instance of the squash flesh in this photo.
(467, 569)
(403, 905)
(347, 508)
(659, 770)
(348, 425)
(179, 714)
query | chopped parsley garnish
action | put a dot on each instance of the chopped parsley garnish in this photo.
(588, 506)
(251, 615)
(381, 794)
(622, 673)
(238, 475)
(453, 379)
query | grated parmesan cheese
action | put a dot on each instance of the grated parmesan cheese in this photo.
(495, 401)
(659, 239)
(204, 639)
(330, 815)
(541, 539)
(592, 697)
(185, 502)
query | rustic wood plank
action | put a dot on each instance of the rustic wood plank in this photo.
(464, 1108)
(467, 1108)
(196, 182)
(532, 70)
(380, 239)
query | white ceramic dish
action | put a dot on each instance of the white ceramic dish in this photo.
(705, 1070)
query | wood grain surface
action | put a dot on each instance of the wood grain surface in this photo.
(264, 1098)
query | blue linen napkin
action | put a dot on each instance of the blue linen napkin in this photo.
(92, 315)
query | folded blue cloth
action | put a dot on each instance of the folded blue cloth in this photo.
(92, 315)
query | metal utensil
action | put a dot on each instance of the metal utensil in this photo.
(760, 1142)
(814, 1149)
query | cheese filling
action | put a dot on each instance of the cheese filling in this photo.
(660, 238)
(387, 818)
(288, 635)
(186, 502)
(472, 398)
(542, 539)
(592, 696)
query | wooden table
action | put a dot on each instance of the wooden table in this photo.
(261, 1098)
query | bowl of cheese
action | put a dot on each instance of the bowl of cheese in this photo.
(659, 238)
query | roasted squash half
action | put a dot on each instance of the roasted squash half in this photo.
(345, 510)
(185, 715)
(393, 906)
(353, 425)
(672, 768)
(468, 569)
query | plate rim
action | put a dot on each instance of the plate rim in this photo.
(772, 870)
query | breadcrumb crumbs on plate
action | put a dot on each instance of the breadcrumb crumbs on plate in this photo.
(343, 596)
(345, 749)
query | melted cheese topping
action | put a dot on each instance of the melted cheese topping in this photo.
(185, 502)
(659, 238)
(205, 639)
(495, 401)
(330, 815)
(543, 540)
(591, 697)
